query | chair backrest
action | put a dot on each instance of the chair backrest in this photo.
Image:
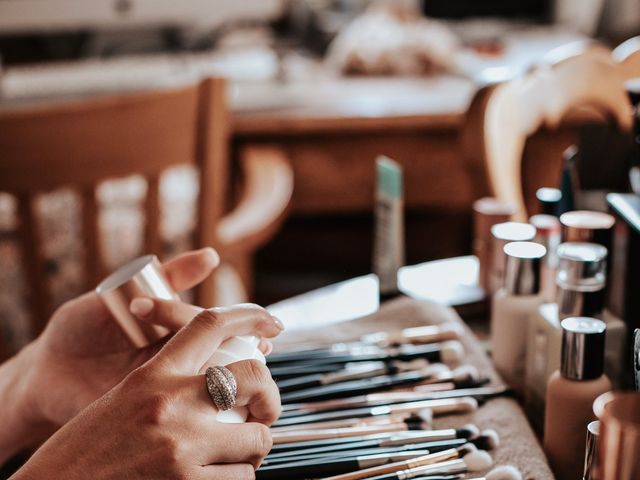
(80, 144)
(502, 117)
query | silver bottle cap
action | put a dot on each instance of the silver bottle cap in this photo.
(522, 274)
(513, 231)
(587, 226)
(582, 348)
(581, 266)
(590, 454)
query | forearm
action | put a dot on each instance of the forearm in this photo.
(21, 427)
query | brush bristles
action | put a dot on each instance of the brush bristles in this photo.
(478, 460)
(452, 352)
(465, 373)
(493, 439)
(468, 431)
(466, 449)
(504, 472)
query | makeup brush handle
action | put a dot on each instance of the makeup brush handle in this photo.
(298, 383)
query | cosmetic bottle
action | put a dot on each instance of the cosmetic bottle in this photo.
(633, 91)
(571, 393)
(144, 277)
(549, 201)
(588, 226)
(623, 299)
(619, 439)
(501, 234)
(512, 307)
(388, 248)
(569, 180)
(547, 234)
(590, 451)
(580, 284)
(487, 212)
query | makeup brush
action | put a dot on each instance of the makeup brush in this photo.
(503, 472)
(362, 448)
(423, 417)
(482, 442)
(446, 461)
(437, 407)
(359, 371)
(472, 462)
(292, 370)
(442, 477)
(417, 335)
(487, 440)
(465, 376)
(303, 436)
(331, 466)
(361, 386)
(449, 352)
(429, 447)
(385, 398)
(389, 439)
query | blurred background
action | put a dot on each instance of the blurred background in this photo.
(332, 84)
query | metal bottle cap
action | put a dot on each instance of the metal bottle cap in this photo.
(513, 231)
(582, 266)
(522, 274)
(582, 348)
(502, 234)
(590, 454)
(587, 226)
(549, 200)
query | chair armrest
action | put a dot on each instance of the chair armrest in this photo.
(266, 193)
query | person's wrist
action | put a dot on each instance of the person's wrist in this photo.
(18, 397)
(26, 395)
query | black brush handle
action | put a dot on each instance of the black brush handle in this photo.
(298, 470)
(352, 387)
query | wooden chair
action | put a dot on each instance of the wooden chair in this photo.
(82, 143)
(502, 117)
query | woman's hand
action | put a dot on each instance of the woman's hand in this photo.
(83, 353)
(160, 423)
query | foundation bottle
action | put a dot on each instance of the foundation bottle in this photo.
(580, 282)
(512, 307)
(571, 392)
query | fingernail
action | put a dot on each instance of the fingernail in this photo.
(212, 254)
(278, 322)
(141, 307)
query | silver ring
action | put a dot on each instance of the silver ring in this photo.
(222, 387)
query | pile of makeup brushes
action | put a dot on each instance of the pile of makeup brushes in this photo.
(363, 410)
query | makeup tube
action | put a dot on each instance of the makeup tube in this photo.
(388, 250)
